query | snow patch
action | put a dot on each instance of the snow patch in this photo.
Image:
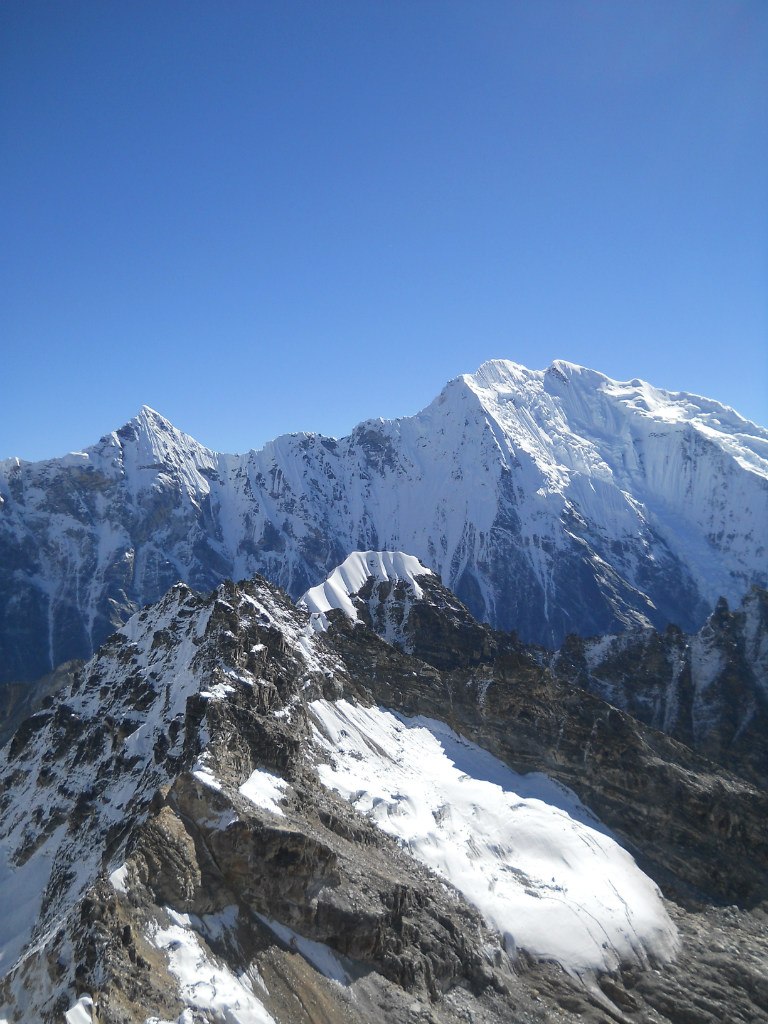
(264, 790)
(119, 879)
(80, 1013)
(320, 956)
(203, 984)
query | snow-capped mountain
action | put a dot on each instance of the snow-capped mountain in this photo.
(551, 502)
(228, 815)
(375, 587)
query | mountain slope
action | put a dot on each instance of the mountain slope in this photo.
(550, 501)
(708, 690)
(228, 816)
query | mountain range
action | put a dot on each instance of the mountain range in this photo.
(477, 738)
(551, 502)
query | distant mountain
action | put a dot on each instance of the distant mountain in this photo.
(550, 502)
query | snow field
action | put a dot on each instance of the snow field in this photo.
(535, 862)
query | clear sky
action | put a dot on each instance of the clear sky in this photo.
(276, 215)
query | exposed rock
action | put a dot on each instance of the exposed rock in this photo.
(709, 689)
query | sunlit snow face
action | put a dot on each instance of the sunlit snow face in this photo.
(535, 862)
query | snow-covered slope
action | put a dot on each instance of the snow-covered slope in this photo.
(550, 501)
(522, 849)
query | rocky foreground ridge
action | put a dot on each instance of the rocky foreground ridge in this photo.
(237, 812)
(708, 690)
(551, 502)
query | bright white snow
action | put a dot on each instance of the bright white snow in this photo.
(349, 577)
(119, 879)
(204, 985)
(265, 790)
(537, 864)
(80, 1013)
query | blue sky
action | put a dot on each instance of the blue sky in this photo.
(260, 217)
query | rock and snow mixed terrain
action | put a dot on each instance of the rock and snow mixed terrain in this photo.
(550, 502)
(372, 806)
(709, 689)
(359, 569)
(384, 584)
(230, 816)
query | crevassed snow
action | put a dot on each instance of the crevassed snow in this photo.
(360, 566)
(204, 985)
(264, 790)
(535, 862)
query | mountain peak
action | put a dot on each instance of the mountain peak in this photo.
(520, 488)
(149, 421)
(154, 435)
(566, 370)
(495, 372)
(147, 414)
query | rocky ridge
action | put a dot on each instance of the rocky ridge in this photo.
(170, 848)
(550, 502)
(708, 690)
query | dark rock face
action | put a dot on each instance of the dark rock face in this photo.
(709, 689)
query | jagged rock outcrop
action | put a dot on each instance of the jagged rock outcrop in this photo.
(550, 502)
